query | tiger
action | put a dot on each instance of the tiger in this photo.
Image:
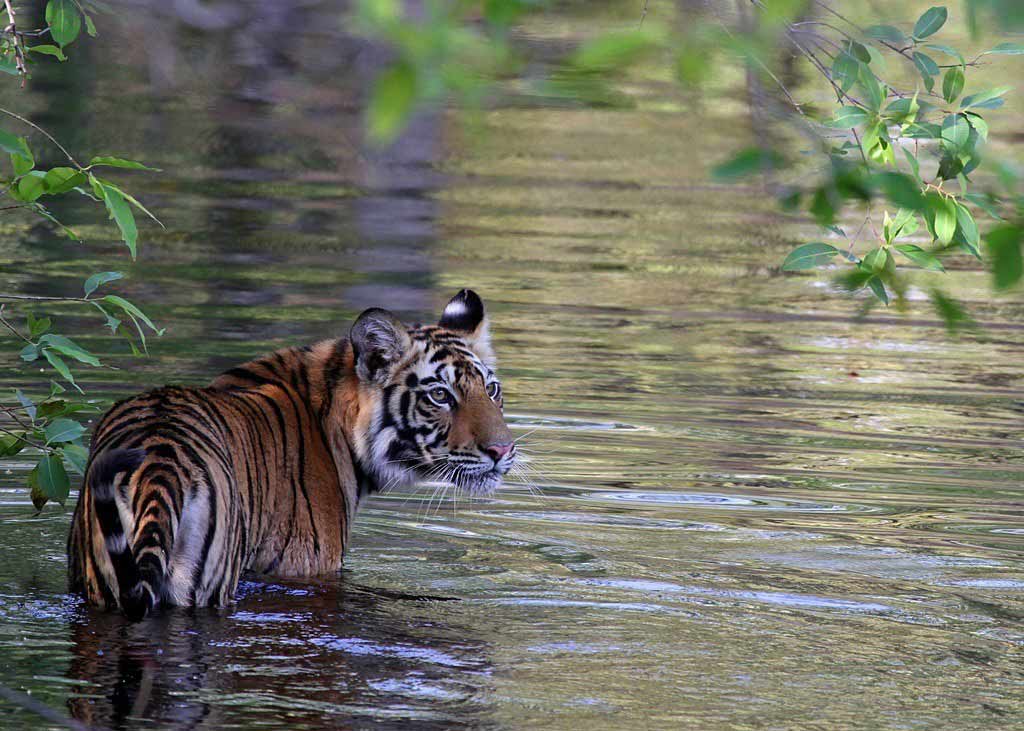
(263, 470)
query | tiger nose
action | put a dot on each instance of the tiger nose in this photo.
(498, 450)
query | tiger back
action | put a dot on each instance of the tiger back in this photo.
(264, 469)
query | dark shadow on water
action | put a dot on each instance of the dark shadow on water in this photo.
(294, 655)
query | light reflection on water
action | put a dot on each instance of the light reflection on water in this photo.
(750, 510)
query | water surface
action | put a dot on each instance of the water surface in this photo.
(747, 508)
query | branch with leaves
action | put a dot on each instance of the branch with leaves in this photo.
(46, 426)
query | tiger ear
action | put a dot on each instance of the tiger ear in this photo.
(465, 315)
(379, 340)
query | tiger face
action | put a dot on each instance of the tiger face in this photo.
(430, 400)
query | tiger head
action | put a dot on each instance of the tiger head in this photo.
(430, 403)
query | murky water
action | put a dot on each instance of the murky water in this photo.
(750, 509)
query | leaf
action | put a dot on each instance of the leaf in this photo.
(37, 327)
(49, 50)
(949, 51)
(901, 189)
(61, 367)
(888, 33)
(63, 430)
(10, 445)
(925, 64)
(62, 179)
(64, 20)
(65, 346)
(955, 131)
(952, 83)
(29, 353)
(90, 27)
(920, 257)
(117, 162)
(914, 164)
(97, 280)
(985, 203)
(39, 498)
(392, 102)
(53, 478)
(1003, 247)
(122, 215)
(26, 403)
(77, 456)
(983, 97)
(14, 144)
(135, 314)
(845, 70)
(876, 285)
(967, 226)
(746, 162)
(930, 21)
(953, 314)
(1007, 49)
(943, 215)
(848, 117)
(875, 260)
(873, 90)
(809, 256)
(31, 187)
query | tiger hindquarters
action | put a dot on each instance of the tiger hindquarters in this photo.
(140, 566)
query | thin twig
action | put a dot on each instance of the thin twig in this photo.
(46, 134)
(42, 710)
(41, 298)
(643, 14)
(9, 326)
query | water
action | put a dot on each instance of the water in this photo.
(754, 510)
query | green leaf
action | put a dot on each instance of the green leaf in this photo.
(53, 478)
(64, 20)
(14, 145)
(1003, 247)
(65, 346)
(809, 256)
(930, 21)
(31, 187)
(90, 27)
(874, 92)
(77, 456)
(888, 33)
(135, 314)
(21, 163)
(901, 189)
(845, 70)
(37, 327)
(955, 131)
(61, 180)
(920, 257)
(985, 203)
(925, 64)
(26, 403)
(8, 66)
(29, 353)
(967, 226)
(10, 445)
(847, 118)
(876, 285)
(952, 312)
(121, 213)
(1008, 49)
(875, 260)
(746, 162)
(983, 97)
(49, 50)
(63, 430)
(392, 102)
(952, 83)
(97, 280)
(39, 498)
(61, 367)
(117, 162)
(949, 51)
(942, 213)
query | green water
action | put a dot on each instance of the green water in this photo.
(748, 509)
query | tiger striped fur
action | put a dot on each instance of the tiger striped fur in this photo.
(263, 470)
